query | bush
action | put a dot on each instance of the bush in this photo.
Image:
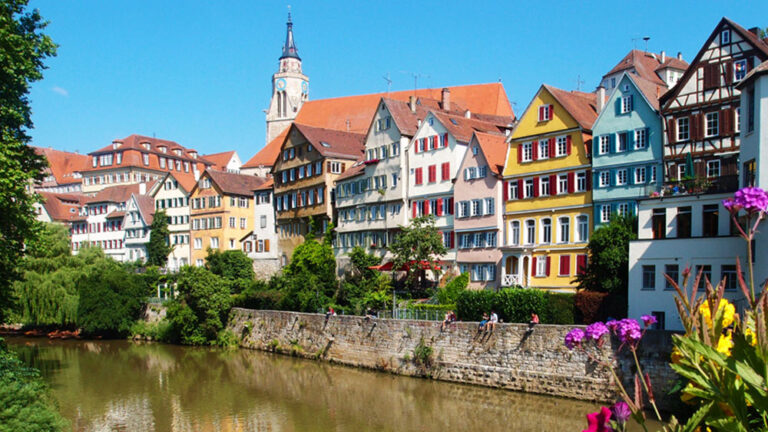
(267, 299)
(589, 306)
(231, 264)
(470, 305)
(560, 309)
(111, 300)
(199, 312)
(517, 305)
(450, 292)
(430, 307)
(157, 331)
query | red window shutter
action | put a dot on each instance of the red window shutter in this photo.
(565, 265)
(450, 205)
(549, 265)
(552, 147)
(437, 141)
(416, 146)
(431, 174)
(266, 245)
(343, 167)
(671, 133)
(445, 139)
(415, 209)
(453, 238)
(533, 265)
(519, 152)
(589, 179)
(581, 264)
(446, 171)
(728, 72)
(535, 146)
(551, 112)
(328, 167)
(520, 189)
(505, 191)
(541, 113)
(726, 121)
(418, 176)
(571, 183)
(568, 144)
(535, 186)
(426, 207)
(439, 207)
(553, 184)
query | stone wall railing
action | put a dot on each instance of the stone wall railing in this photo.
(509, 357)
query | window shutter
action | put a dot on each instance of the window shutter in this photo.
(415, 209)
(535, 186)
(445, 139)
(439, 207)
(549, 265)
(726, 121)
(505, 191)
(552, 147)
(728, 73)
(581, 264)
(343, 167)
(553, 184)
(551, 112)
(328, 166)
(426, 207)
(266, 245)
(519, 188)
(533, 265)
(450, 205)
(447, 171)
(453, 238)
(671, 132)
(519, 152)
(565, 264)
(631, 107)
(612, 180)
(589, 179)
(541, 113)
(437, 141)
(568, 144)
(617, 106)
(613, 143)
(535, 149)
(571, 183)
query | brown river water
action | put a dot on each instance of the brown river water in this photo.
(126, 386)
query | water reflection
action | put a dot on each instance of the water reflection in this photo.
(123, 386)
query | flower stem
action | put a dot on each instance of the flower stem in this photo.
(645, 386)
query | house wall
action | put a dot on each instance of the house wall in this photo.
(179, 212)
(137, 232)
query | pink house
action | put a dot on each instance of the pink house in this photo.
(479, 210)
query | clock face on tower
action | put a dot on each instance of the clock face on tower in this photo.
(280, 84)
(304, 87)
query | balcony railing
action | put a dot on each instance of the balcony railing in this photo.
(510, 280)
(697, 186)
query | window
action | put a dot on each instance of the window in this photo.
(605, 213)
(546, 230)
(198, 242)
(736, 120)
(562, 146)
(562, 184)
(512, 192)
(683, 129)
(712, 124)
(544, 149)
(474, 150)
(622, 209)
(336, 167)
(528, 185)
(649, 277)
(621, 177)
(564, 224)
(582, 228)
(621, 143)
(659, 223)
(231, 222)
(581, 181)
(604, 178)
(725, 37)
(418, 176)
(652, 176)
(641, 139)
(463, 209)
(605, 144)
(683, 222)
(514, 233)
(162, 162)
(626, 104)
(673, 271)
(527, 152)
(243, 222)
(541, 266)
(263, 221)
(749, 173)
(544, 186)
(395, 148)
(706, 274)
(709, 220)
(640, 175)
(530, 232)
(476, 208)
(713, 168)
(739, 69)
(432, 173)
(660, 320)
(545, 112)
(731, 278)
(489, 206)
(144, 157)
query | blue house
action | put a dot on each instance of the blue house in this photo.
(627, 148)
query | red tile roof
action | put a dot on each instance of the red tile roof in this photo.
(650, 90)
(462, 128)
(220, 160)
(132, 148)
(62, 207)
(269, 184)
(581, 106)
(494, 147)
(235, 184)
(354, 113)
(118, 194)
(146, 206)
(646, 64)
(333, 143)
(63, 165)
(355, 170)
(116, 214)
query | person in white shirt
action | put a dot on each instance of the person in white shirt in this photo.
(492, 322)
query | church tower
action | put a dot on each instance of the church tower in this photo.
(290, 88)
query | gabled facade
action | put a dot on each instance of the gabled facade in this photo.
(479, 216)
(228, 161)
(310, 161)
(548, 192)
(59, 207)
(64, 171)
(702, 111)
(139, 159)
(171, 195)
(139, 212)
(659, 69)
(261, 244)
(221, 212)
(627, 148)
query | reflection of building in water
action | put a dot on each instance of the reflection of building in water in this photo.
(263, 420)
(134, 414)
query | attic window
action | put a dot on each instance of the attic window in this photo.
(177, 151)
(431, 121)
(309, 148)
(163, 148)
(324, 144)
(725, 37)
(115, 145)
(454, 122)
(146, 145)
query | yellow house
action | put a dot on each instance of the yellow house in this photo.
(547, 191)
(221, 211)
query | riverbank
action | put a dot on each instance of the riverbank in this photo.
(509, 357)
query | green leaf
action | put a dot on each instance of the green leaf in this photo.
(698, 417)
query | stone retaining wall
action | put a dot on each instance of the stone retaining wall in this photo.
(509, 357)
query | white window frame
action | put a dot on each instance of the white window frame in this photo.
(713, 168)
(641, 139)
(604, 178)
(546, 230)
(622, 209)
(581, 181)
(530, 232)
(605, 213)
(582, 228)
(514, 233)
(541, 266)
(528, 186)
(543, 149)
(564, 229)
(545, 188)
(561, 146)
(527, 152)
(711, 124)
(621, 177)
(640, 175)
(683, 125)
(605, 145)
(626, 104)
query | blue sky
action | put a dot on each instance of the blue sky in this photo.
(199, 72)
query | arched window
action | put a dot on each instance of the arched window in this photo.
(530, 232)
(564, 224)
(546, 230)
(514, 234)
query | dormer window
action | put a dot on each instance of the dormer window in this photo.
(119, 157)
(193, 154)
(146, 145)
(725, 37)
(95, 161)
(545, 112)
(163, 148)
(177, 151)
(115, 144)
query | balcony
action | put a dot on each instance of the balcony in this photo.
(509, 280)
(700, 186)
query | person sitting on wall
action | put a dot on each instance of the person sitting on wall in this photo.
(330, 313)
(483, 322)
(493, 321)
(534, 320)
(449, 318)
(370, 313)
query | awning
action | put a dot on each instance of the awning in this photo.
(424, 265)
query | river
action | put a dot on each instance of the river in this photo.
(126, 386)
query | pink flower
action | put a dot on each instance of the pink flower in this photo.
(596, 330)
(599, 421)
(621, 412)
(751, 199)
(574, 338)
(648, 320)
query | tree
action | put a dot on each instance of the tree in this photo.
(22, 52)
(418, 247)
(231, 264)
(608, 269)
(310, 278)
(158, 247)
(199, 313)
(362, 287)
(111, 299)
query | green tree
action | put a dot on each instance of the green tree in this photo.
(418, 247)
(608, 269)
(451, 291)
(310, 277)
(362, 287)
(111, 299)
(231, 264)
(22, 52)
(199, 313)
(159, 247)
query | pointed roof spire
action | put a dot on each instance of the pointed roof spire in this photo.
(289, 49)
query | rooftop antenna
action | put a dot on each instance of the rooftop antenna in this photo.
(389, 82)
(579, 82)
(416, 77)
(646, 39)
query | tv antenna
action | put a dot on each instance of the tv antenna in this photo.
(389, 82)
(579, 82)
(416, 77)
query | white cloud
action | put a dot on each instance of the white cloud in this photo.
(61, 91)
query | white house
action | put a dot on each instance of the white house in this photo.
(261, 244)
(139, 211)
(171, 195)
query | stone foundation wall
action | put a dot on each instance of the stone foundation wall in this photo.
(266, 268)
(508, 357)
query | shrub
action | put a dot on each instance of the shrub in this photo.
(589, 306)
(267, 299)
(199, 312)
(111, 300)
(560, 309)
(156, 331)
(422, 354)
(450, 292)
(517, 305)
(432, 307)
(470, 305)
(231, 265)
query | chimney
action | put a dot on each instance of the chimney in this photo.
(142, 188)
(600, 98)
(446, 99)
(663, 57)
(755, 31)
(412, 103)
(679, 55)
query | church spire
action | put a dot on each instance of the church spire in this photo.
(289, 49)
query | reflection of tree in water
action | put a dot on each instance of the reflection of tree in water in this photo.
(163, 387)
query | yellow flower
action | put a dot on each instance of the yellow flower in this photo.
(725, 343)
(750, 335)
(676, 355)
(687, 397)
(725, 307)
